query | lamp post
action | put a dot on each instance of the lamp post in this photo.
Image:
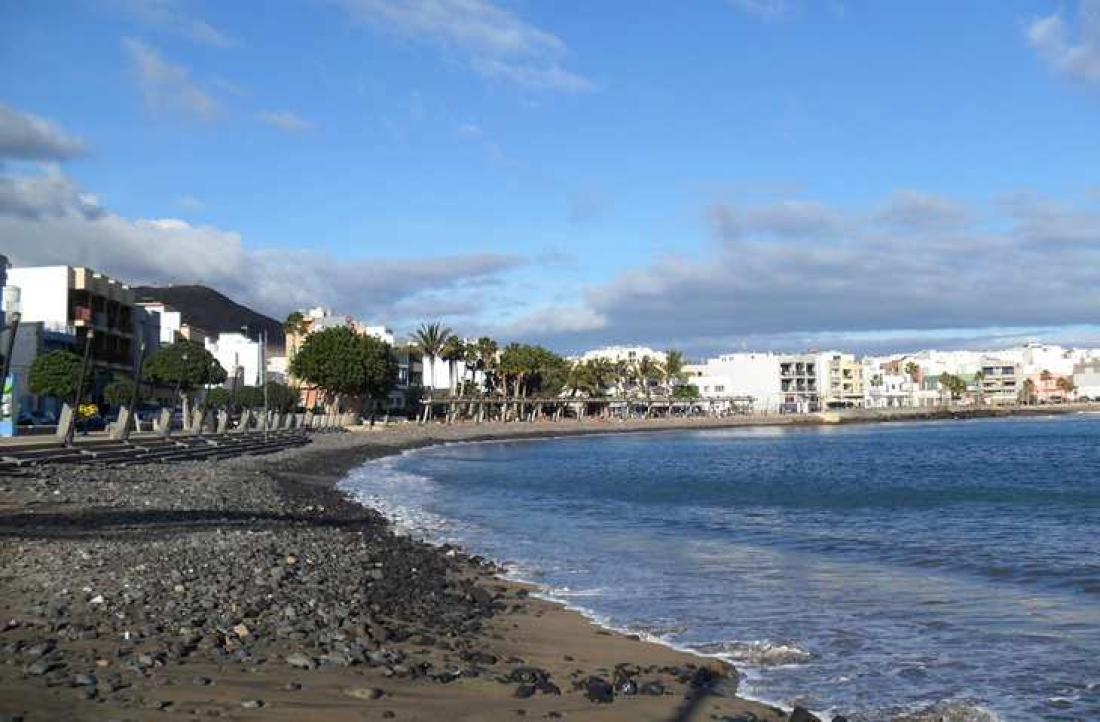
(88, 338)
(263, 375)
(137, 386)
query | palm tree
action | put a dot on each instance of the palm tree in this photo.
(1066, 386)
(430, 339)
(645, 371)
(1027, 393)
(453, 351)
(979, 376)
(913, 370)
(672, 370)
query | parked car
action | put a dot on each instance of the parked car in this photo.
(34, 418)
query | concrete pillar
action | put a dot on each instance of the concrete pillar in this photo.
(223, 421)
(120, 431)
(245, 422)
(64, 422)
(196, 421)
(165, 423)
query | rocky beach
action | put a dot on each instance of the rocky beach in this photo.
(251, 588)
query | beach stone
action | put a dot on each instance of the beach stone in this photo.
(364, 693)
(655, 689)
(840, 718)
(301, 661)
(524, 691)
(627, 687)
(599, 690)
(252, 703)
(801, 714)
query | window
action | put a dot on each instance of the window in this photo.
(719, 389)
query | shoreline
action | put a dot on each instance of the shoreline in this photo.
(82, 541)
(89, 590)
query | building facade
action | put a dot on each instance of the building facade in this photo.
(1002, 382)
(77, 301)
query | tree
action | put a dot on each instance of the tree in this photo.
(219, 398)
(430, 338)
(185, 365)
(672, 371)
(913, 371)
(954, 385)
(686, 392)
(58, 374)
(1027, 392)
(453, 351)
(295, 323)
(1046, 375)
(343, 362)
(488, 351)
(1066, 386)
(120, 392)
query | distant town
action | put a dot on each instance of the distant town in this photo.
(114, 326)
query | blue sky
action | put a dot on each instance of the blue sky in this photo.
(710, 175)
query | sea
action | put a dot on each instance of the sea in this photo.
(876, 571)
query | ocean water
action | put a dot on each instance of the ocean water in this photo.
(880, 569)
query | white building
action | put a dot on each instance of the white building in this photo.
(628, 354)
(239, 355)
(171, 320)
(1086, 377)
(739, 375)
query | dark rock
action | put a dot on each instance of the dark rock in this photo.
(627, 687)
(524, 691)
(598, 690)
(655, 689)
(801, 714)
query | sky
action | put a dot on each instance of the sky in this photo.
(711, 176)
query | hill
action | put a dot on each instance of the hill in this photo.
(213, 312)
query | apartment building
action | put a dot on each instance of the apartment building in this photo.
(1001, 382)
(752, 378)
(801, 383)
(75, 301)
(1086, 377)
(845, 381)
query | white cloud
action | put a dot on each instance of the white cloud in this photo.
(534, 77)
(51, 195)
(190, 203)
(284, 120)
(47, 220)
(172, 15)
(470, 131)
(498, 44)
(770, 275)
(1050, 37)
(913, 210)
(27, 137)
(764, 9)
(166, 86)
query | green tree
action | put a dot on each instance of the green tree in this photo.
(186, 366)
(686, 392)
(431, 338)
(954, 385)
(295, 323)
(345, 363)
(1027, 392)
(219, 397)
(1066, 386)
(453, 351)
(58, 374)
(120, 392)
